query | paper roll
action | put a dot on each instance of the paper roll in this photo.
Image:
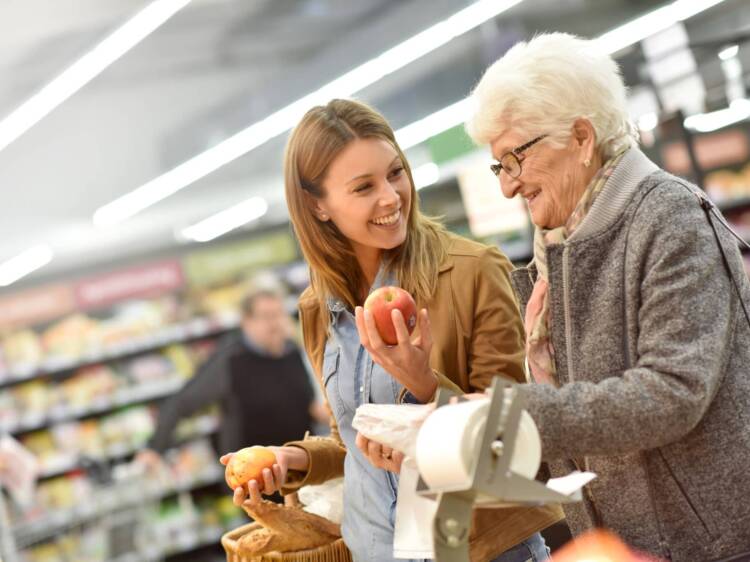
(448, 444)
(527, 453)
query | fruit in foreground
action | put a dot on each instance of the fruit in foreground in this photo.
(248, 464)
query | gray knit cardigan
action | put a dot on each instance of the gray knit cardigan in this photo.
(653, 356)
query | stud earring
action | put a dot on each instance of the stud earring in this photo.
(323, 217)
(587, 162)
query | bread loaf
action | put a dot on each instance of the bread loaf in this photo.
(285, 529)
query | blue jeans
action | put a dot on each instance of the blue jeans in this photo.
(532, 549)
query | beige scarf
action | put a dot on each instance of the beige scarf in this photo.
(539, 350)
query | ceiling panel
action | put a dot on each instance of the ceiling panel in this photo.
(216, 67)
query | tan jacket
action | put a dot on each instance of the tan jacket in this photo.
(477, 334)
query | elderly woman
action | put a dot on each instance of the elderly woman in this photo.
(635, 328)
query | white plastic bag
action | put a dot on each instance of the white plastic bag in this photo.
(397, 425)
(394, 425)
(326, 500)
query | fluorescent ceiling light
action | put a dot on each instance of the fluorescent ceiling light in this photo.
(738, 110)
(729, 52)
(425, 175)
(227, 220)
(366, 74)
(433, 124)
(284, 119)
(24, 263)
(86, 68)
(648, 121)
(651, 23)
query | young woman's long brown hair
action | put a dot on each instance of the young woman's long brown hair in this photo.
(320, 136)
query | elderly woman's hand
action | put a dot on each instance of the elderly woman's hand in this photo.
(409, 360)
(380, 456)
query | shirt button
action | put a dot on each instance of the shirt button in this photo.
(361, 388)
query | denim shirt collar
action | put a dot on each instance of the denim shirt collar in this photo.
(382, 279)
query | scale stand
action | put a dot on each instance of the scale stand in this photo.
(490, 476)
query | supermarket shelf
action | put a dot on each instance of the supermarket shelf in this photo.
(66, 464)
(36, 531)
(195, 329)
(734, 205)
(129, 557)
(189, 541)
(121, 398)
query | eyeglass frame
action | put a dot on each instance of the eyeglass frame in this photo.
(498, 167)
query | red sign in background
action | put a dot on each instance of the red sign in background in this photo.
(35, 306)
(138, 282)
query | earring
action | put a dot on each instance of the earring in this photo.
(323, 217)
(587, 162)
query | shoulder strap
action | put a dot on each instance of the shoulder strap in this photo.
(710, 210)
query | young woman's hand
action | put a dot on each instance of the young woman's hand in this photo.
(409, 360)
(380, 456)
(287, 458)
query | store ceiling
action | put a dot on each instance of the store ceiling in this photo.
(214, 68)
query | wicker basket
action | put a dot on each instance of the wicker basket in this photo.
(334, 552)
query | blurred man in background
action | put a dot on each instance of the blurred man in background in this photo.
(259, 379)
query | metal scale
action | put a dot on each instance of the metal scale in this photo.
(490, 475)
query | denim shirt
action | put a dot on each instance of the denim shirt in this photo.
(352, 378)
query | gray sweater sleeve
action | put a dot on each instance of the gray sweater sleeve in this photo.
(207, 387)
(684, 318)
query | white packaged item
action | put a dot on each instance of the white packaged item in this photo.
(326, 500)
(18, 471)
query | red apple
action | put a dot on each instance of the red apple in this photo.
(385, 299)
(248, 464)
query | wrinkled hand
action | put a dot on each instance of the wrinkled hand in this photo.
(409, 360)
(273, 478)
(380, 456)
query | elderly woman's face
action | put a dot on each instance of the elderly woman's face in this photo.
(551, 181)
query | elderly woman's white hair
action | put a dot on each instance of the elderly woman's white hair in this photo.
(544, 85)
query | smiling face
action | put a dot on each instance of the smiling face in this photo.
(552, 179)
(367, 195)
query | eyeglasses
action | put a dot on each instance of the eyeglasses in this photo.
(510, 162)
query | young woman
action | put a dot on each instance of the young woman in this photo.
(354, 208)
